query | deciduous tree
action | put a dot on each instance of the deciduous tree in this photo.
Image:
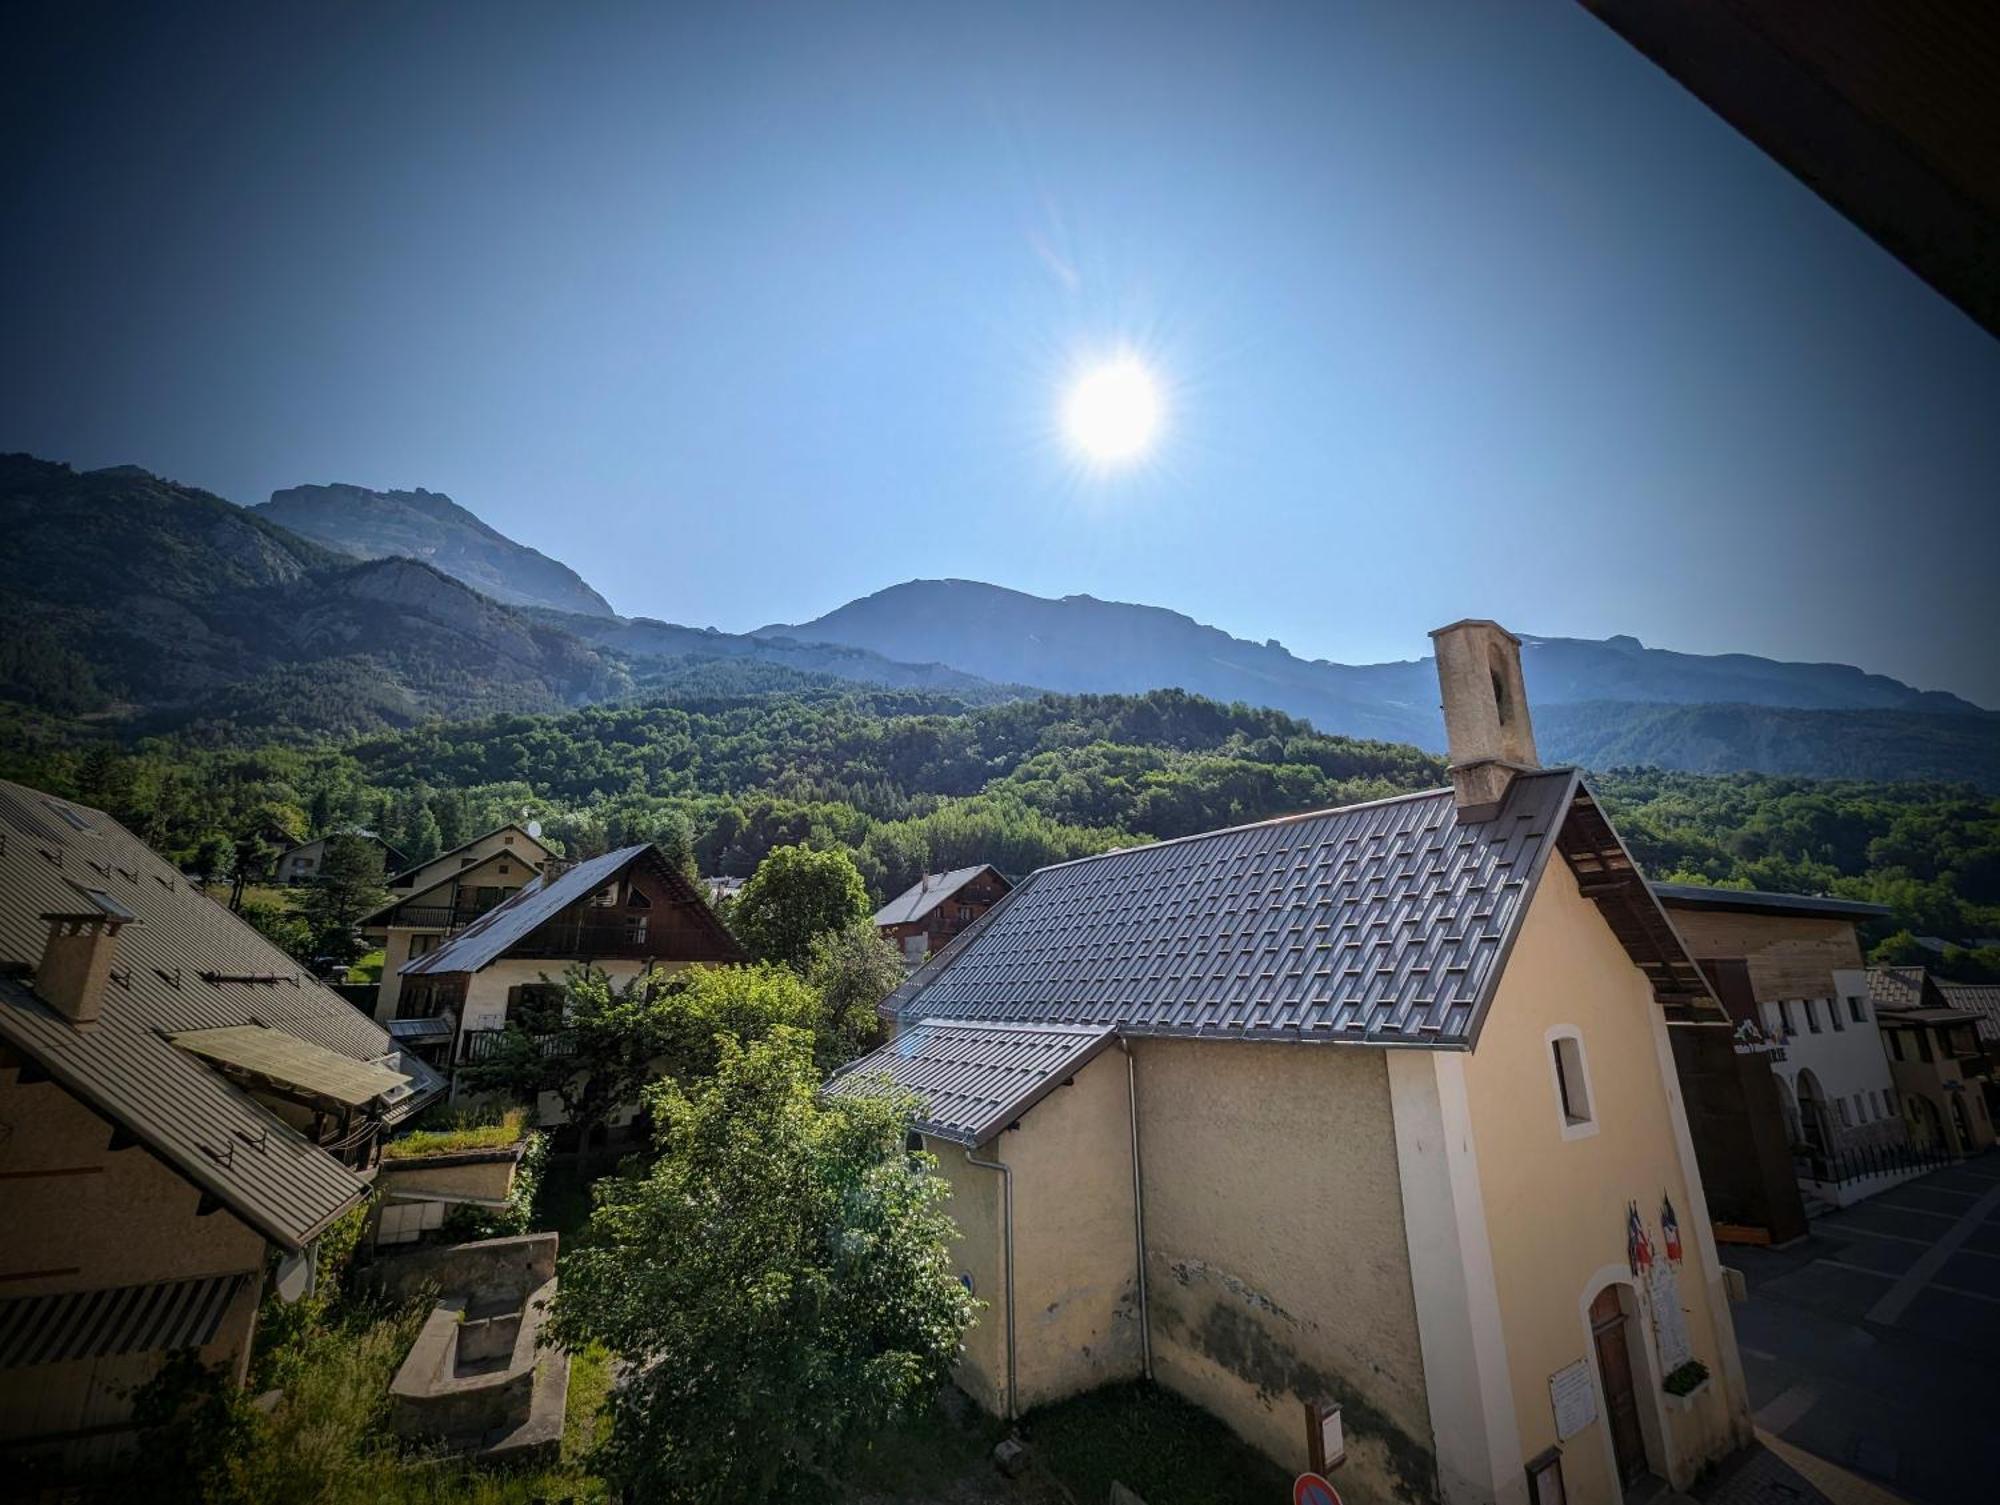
(795, 896)
(779, 1281)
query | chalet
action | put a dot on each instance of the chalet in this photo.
(181, 1103)
(1937, 1058)
(931, 912)
(436, 899)
(302, 863)
(1773, 960)
(627, 912)
(1359, 1128)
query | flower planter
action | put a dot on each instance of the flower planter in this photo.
(1686, 1402)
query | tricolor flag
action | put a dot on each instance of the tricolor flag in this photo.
(1670, 1229)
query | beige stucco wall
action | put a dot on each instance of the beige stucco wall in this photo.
(109, 1218)
(1277, 1264)
(1075, 1251)
(80, 1216)
(1555, 1206)
(974, 1205)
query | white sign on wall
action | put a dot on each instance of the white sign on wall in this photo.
(1669, 1321)
(1574, 1397)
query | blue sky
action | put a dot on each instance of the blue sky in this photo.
(745, 311)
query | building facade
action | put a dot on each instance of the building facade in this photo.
(436, 899)
(302, 863)
(181, 1101)
(1936, 1059)
(1370, 1110)
(931, 913)
(626, 913)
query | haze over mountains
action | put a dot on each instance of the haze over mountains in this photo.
(430, 526)
(131, 594)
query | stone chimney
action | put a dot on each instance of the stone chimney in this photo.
(1489, 737)
(76, 964)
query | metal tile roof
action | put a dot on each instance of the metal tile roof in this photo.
(187, 964)
(540, 900)
(975, 1077)
(929, 891)
(297, 1063)
(1758, 901)
(1382, 923)
(118, 1319)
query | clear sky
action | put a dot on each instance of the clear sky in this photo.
(746, 310)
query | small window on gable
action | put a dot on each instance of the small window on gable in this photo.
(1812, 1016)
(1572, 1083)
(1857, 1010)
(1833, 1015)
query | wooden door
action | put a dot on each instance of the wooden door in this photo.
(1621, 1398)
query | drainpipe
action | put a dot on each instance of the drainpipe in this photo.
(1007, 1224)
(1138, 1207)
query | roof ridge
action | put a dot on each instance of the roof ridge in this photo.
(1565, 770)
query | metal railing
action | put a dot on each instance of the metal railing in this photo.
(484, 1044)
(1857, 1162)
(582, 939)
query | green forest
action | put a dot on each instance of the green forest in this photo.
(908, 782)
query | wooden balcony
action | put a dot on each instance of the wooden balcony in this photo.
(483, 1044)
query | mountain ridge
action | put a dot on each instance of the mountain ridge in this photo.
(430, 526)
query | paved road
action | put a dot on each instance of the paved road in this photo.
(1875, 1342)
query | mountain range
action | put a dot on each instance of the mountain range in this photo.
(340, 610)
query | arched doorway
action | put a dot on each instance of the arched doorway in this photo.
(1926, 1128)
(1613, 1338)
(1789, 1107)
(1812, 1122)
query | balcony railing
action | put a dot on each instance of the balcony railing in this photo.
(484, 1044)
(445, 917)
(583, 938)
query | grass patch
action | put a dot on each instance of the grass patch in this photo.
(368, 967)
(1170, 1451)
(439, 1132)
(562, 1201)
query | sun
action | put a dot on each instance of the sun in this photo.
(1112, 411)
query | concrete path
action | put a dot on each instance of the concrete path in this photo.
(1873, 1345)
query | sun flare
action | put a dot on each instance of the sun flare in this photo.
(1112, 412)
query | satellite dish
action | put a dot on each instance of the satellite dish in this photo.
(535, 829)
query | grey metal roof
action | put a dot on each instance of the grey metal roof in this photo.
(418, 1031)
(1382, 923)
(117, 1319)
(1758, 901)
(540, 900)
(929, 891)
(975, 1077)
(187, 964)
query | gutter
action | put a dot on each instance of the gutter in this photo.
(1007, 1224)
(1138, 1209)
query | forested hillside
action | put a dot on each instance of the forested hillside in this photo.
(910, 782)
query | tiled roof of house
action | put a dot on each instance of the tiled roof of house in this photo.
(187, 963)
(1982, 999)
(540, 900)
(1381, 923)
(929, 891)
(1899, 988)
(975, 1078)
